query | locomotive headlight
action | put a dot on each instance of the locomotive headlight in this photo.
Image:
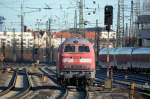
(66, 60)
(86, 60)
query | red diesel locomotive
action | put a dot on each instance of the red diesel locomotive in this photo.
(76, 62)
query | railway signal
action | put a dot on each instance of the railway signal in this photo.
(108, 21)
(108, 15)
(36, 51)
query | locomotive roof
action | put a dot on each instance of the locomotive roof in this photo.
(80, 40)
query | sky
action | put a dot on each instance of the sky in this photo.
(61, 14)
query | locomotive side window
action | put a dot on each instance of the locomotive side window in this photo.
(84, 49)
(69, 48)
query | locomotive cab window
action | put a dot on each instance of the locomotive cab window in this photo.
(69, 48)
(84, 49)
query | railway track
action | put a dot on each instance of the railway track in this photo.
(128, 78)
(18, 87)
(27, 86)
(50, 75)
(49, 88)
(66, 93)
(119, 78)
(75, 93)
(11, 83)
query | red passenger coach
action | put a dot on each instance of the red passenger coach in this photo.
(133, 59)
(76, 61)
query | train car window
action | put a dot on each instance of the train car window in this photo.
(69, 48)
(84, 49)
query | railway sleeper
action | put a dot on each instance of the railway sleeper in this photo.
(132, 70)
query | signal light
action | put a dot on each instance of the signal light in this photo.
(36, 51)
(108, 15)
(25, 28)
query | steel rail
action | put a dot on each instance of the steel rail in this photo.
(27, 89)
(11, 84)
(65, 94)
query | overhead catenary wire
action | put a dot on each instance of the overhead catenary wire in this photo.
(11, 8)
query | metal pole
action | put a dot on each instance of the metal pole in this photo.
(137, 13)
(22, 29)
(126, 36)
(108, 82)
(123, 34)
(14, 46)
(108, 65)
(33, 49)
(3, 47)
(97, 40)
(75, 22)
(47, 45)
(81, 20)
(131, 24)
(120, 24)
(49, 31)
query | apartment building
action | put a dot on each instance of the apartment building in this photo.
(10, 39)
